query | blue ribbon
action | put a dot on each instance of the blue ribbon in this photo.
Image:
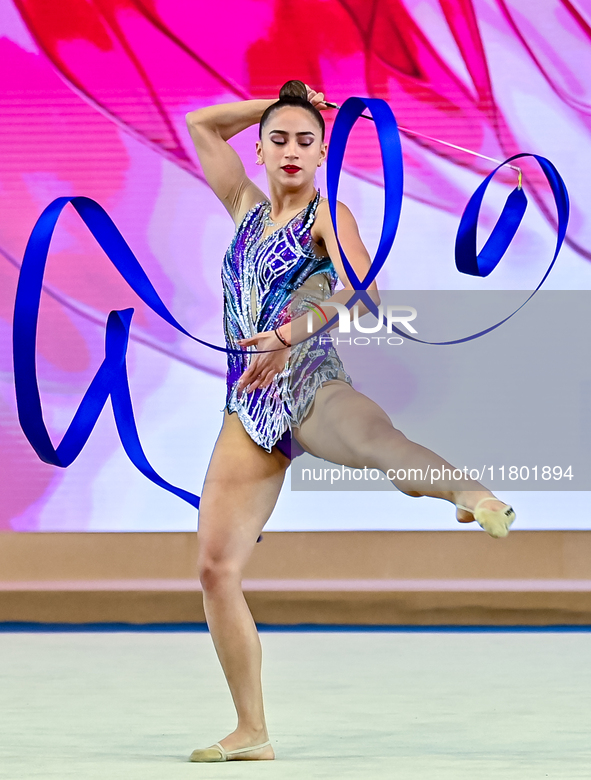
(111, 378)
(391, 151)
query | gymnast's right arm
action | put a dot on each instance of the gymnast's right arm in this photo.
(210, 129)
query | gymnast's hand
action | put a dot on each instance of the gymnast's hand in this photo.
(317, 99)
(263, 367)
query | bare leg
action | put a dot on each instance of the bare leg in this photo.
(346, 427)
(241, 488)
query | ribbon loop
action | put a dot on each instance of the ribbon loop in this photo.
(111, 377)
(467, 259)
(391, 151)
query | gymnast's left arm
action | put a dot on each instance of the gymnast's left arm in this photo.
(357, 255)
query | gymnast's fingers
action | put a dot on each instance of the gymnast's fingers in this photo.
(318, 101)
(251, 372)
(269, 377)
(257, 382)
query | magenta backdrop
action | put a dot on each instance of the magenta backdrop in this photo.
(93, 95)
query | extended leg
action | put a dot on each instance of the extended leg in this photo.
(346, 427)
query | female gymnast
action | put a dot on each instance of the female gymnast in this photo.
(284, 247)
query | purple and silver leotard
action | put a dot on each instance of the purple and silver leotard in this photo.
(260, 277)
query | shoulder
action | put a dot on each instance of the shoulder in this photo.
(323, 227)
(243, 219)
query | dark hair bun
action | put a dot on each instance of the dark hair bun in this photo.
(292, 93)
(294, 89)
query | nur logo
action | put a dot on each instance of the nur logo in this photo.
(345, 318)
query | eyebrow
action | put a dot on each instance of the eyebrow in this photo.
(284, 132)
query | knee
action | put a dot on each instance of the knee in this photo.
(217, 573)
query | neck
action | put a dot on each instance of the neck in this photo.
(283, 203)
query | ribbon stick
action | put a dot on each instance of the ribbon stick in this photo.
(416, 134)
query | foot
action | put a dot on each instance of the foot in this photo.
(241, 739)
(470, 499)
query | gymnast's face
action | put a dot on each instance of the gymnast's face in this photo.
(291, 148)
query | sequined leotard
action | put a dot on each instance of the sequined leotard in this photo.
(260, 277)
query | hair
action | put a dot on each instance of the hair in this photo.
(293, 93)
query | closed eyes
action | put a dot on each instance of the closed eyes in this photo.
(283, 142)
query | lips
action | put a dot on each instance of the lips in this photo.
(291, 168)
